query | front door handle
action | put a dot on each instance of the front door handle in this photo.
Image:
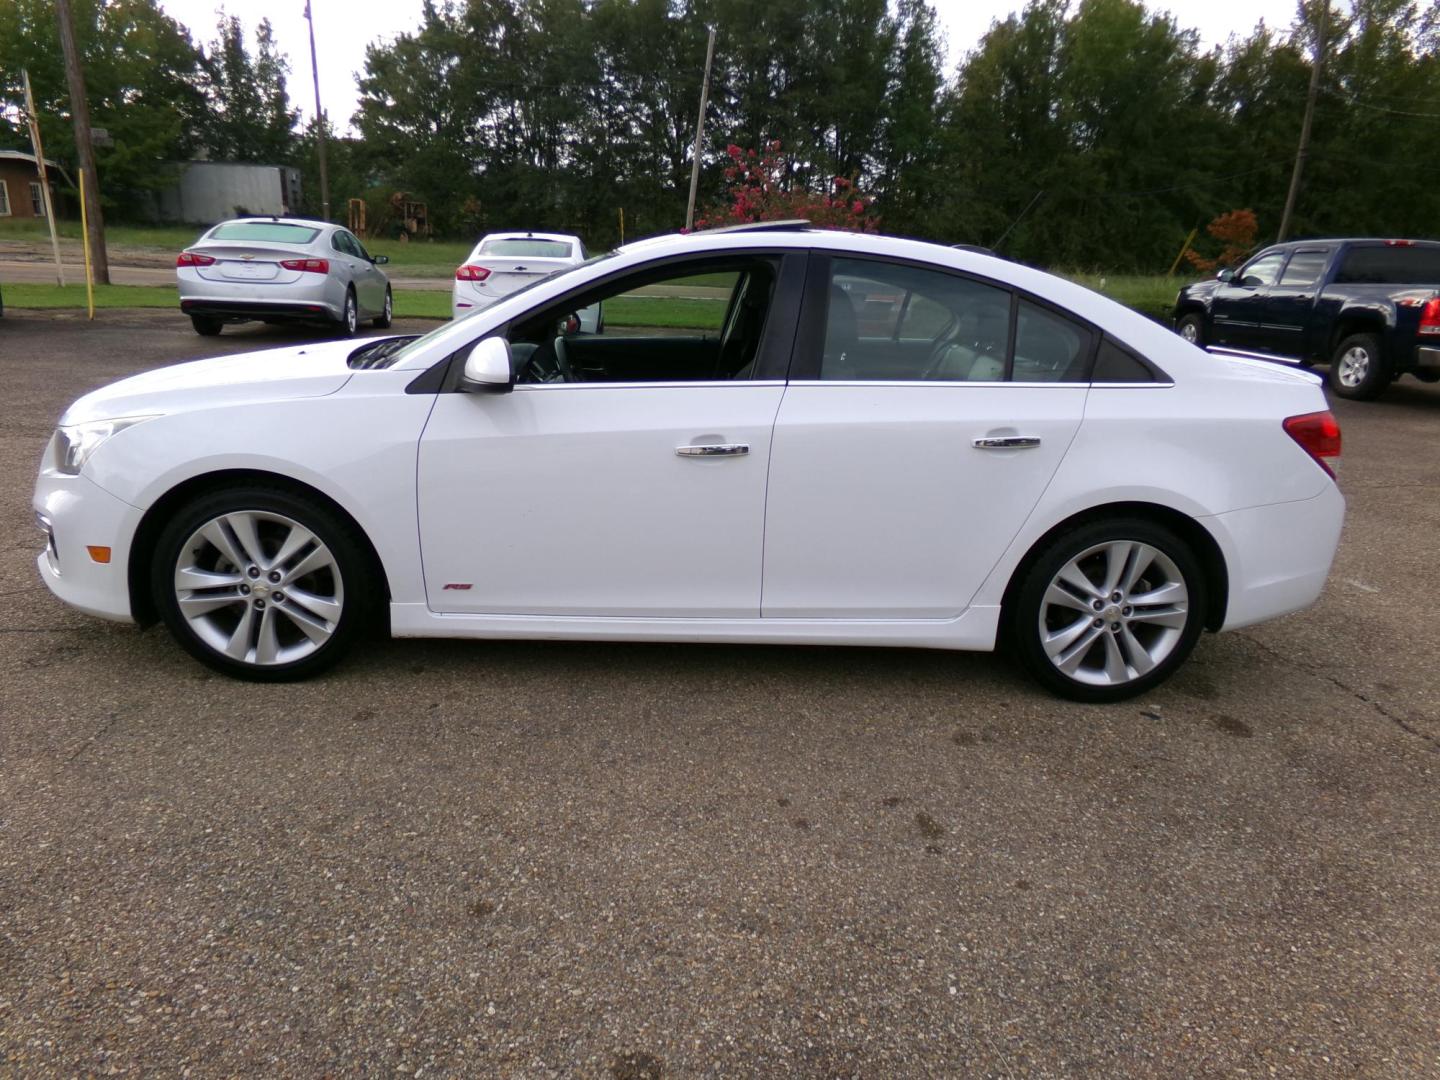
(714, 450)
(1006, 442)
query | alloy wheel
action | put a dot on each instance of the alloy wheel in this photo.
(1190, 332)
(1354, 366)
(259, 587)
(1113, 613)
(352, 314)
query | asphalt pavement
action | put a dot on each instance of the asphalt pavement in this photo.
(624, 861)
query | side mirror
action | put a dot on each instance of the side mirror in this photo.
(487, 368)
(380, 260)
(1227, 275)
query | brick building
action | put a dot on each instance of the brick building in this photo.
(20, 185)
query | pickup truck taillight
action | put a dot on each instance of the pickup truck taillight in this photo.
(1430, 317)
(1318, 435)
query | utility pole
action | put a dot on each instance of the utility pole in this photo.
(319, 120)
(700, 133)
(32, 121)
(84, 149)
(1304, 150)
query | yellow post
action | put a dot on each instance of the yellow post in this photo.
(85, 232)
(1184, 248)
(622, 225)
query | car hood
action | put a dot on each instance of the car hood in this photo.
(272, 375)
(1199, 290)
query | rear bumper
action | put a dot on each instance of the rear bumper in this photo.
(291, 310)
(1278, 556)
(1427, 358)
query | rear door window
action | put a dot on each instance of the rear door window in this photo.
(1048, 347)
(889, 321)
(1305, 267)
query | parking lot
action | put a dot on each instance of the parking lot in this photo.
(636, 861)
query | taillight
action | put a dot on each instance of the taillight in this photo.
(1318, 435)
(1430, 317)
(472, 273)
(190, 258)
(309, 266)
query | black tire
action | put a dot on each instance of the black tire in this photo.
(1358, 368)
(387, 313)
(206, 326)
(349, 321)
(1192, 321)
(360, 593)
(1023, 611)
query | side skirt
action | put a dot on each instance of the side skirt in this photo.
(975, 630)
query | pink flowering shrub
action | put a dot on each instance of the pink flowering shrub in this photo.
(756, 191)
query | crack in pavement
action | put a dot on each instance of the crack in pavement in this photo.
(1399, 721)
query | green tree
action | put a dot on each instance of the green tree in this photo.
(143, 79)
(249, 116)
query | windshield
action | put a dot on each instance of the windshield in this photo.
(456, 329)
(272, 231)
(528, 248)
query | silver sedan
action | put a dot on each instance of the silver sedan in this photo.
(282, 270)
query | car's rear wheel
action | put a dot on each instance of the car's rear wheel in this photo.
(1109, 610)
(387, 316)
(350, 314)
(260, 584)
(206, 326)
(1191, 327)
(1358, 369)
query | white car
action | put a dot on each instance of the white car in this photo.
(503, 263)
(848, 439)
(282, 270)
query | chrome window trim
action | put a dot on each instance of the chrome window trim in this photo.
(672, 385)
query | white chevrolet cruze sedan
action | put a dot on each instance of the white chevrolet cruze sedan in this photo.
(503, 263)
(839, 439)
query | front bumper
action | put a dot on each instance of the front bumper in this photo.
(78, 515)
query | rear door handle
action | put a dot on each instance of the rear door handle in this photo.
(714, 450)
(1006, 442)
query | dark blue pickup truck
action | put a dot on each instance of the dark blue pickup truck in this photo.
(1368, 308)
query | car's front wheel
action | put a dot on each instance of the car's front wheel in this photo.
(1109, 610)
(387, 315)
(260, 584)
(1191, 327)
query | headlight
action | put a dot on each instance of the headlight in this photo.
(75, 444)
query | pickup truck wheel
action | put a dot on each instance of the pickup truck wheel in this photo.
(1358, 370)
(1191, 327)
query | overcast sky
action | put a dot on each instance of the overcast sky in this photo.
(343, 28)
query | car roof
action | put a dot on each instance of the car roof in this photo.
(563, 237)
(266, 219)
(1385, 240)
